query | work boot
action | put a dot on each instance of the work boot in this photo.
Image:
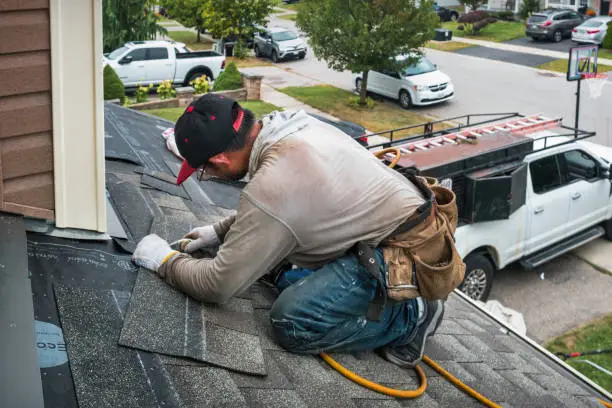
(411, 353)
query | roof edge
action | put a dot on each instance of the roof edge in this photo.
(538, 347)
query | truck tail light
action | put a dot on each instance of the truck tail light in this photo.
(546, 24)
(592, 31)
(223, 65)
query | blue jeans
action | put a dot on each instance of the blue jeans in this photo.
(325, 310)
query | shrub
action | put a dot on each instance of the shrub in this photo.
(607, 41)
(142, 93)
(165, 90)
(473, 17)
(229, 79)
(504, 15)
(475, 21)
(353, 102)
(200, 85)
(113, 87)
(529, 7)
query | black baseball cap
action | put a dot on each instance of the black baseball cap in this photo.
(207, 128)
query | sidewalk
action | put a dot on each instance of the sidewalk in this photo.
(522, 49)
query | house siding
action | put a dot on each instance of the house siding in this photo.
(26, 137)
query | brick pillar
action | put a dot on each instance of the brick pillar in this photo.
(252, 84)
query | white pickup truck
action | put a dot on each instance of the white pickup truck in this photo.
(528, 189)
(151, 62)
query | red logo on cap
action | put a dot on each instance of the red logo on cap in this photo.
(190, 108)
(213, 117)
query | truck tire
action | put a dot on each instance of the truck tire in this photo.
(608, 228)
(257, 52)
(478, 279)
(196, 74)
(274, 56)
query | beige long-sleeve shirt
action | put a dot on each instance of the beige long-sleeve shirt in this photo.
(313, 193)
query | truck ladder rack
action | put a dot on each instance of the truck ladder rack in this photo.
(521, 125)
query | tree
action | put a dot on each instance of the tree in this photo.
(187, 12)
(364, 35)
(128, 20)
(236, 18)
(528, 7)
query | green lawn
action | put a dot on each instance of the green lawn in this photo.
(259, 108)
(448, 46)
(384, 116)
(497, 32)
(603, 53)
(248, 62)
(190, 39)
(560, 65)
(593, 336)
(291, 17)
(292, 7)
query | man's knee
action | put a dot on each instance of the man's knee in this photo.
(289, 333)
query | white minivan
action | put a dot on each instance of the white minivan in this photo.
(419, 84)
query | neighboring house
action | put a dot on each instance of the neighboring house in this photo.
(51, 118)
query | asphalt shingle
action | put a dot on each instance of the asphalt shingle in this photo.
(105, 375)
(175, 324)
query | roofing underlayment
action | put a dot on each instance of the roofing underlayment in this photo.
(133, 341)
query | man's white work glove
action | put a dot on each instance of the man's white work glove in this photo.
(151, 252)
(202, 237)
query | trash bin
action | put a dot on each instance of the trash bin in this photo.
(229, 49)
(443, 34)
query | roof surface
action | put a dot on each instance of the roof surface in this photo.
(100, 300)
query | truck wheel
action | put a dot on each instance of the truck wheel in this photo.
(196, 75)
(454, 16)
(274, 57)
(256, 50)
(478, 278)
(608, 228)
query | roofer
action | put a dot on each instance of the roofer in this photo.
(372, 251)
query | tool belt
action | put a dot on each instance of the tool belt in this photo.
(420, 255)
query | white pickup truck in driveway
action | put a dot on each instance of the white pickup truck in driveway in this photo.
(151, 62)
(528, 190)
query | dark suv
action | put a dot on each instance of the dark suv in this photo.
(552, 24)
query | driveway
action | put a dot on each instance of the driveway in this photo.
(562, 46)
(519, 58)
(556, 297)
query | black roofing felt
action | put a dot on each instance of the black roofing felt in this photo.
(95, 287)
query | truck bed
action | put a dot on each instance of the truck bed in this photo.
(197, 54)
